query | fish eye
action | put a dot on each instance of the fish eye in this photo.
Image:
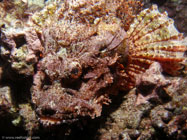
(76, 71)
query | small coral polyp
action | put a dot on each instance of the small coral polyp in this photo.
(83, 53)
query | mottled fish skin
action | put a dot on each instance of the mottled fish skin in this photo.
(153, 37)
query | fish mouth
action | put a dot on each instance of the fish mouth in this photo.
(49, 121)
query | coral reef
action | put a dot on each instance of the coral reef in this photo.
(20, 43)
(6, 102)
(158, 113)
(29, 118)
(72, 56)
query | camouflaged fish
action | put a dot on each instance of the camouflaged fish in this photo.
(82, 53)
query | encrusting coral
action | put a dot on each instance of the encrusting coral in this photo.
(81, 51)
